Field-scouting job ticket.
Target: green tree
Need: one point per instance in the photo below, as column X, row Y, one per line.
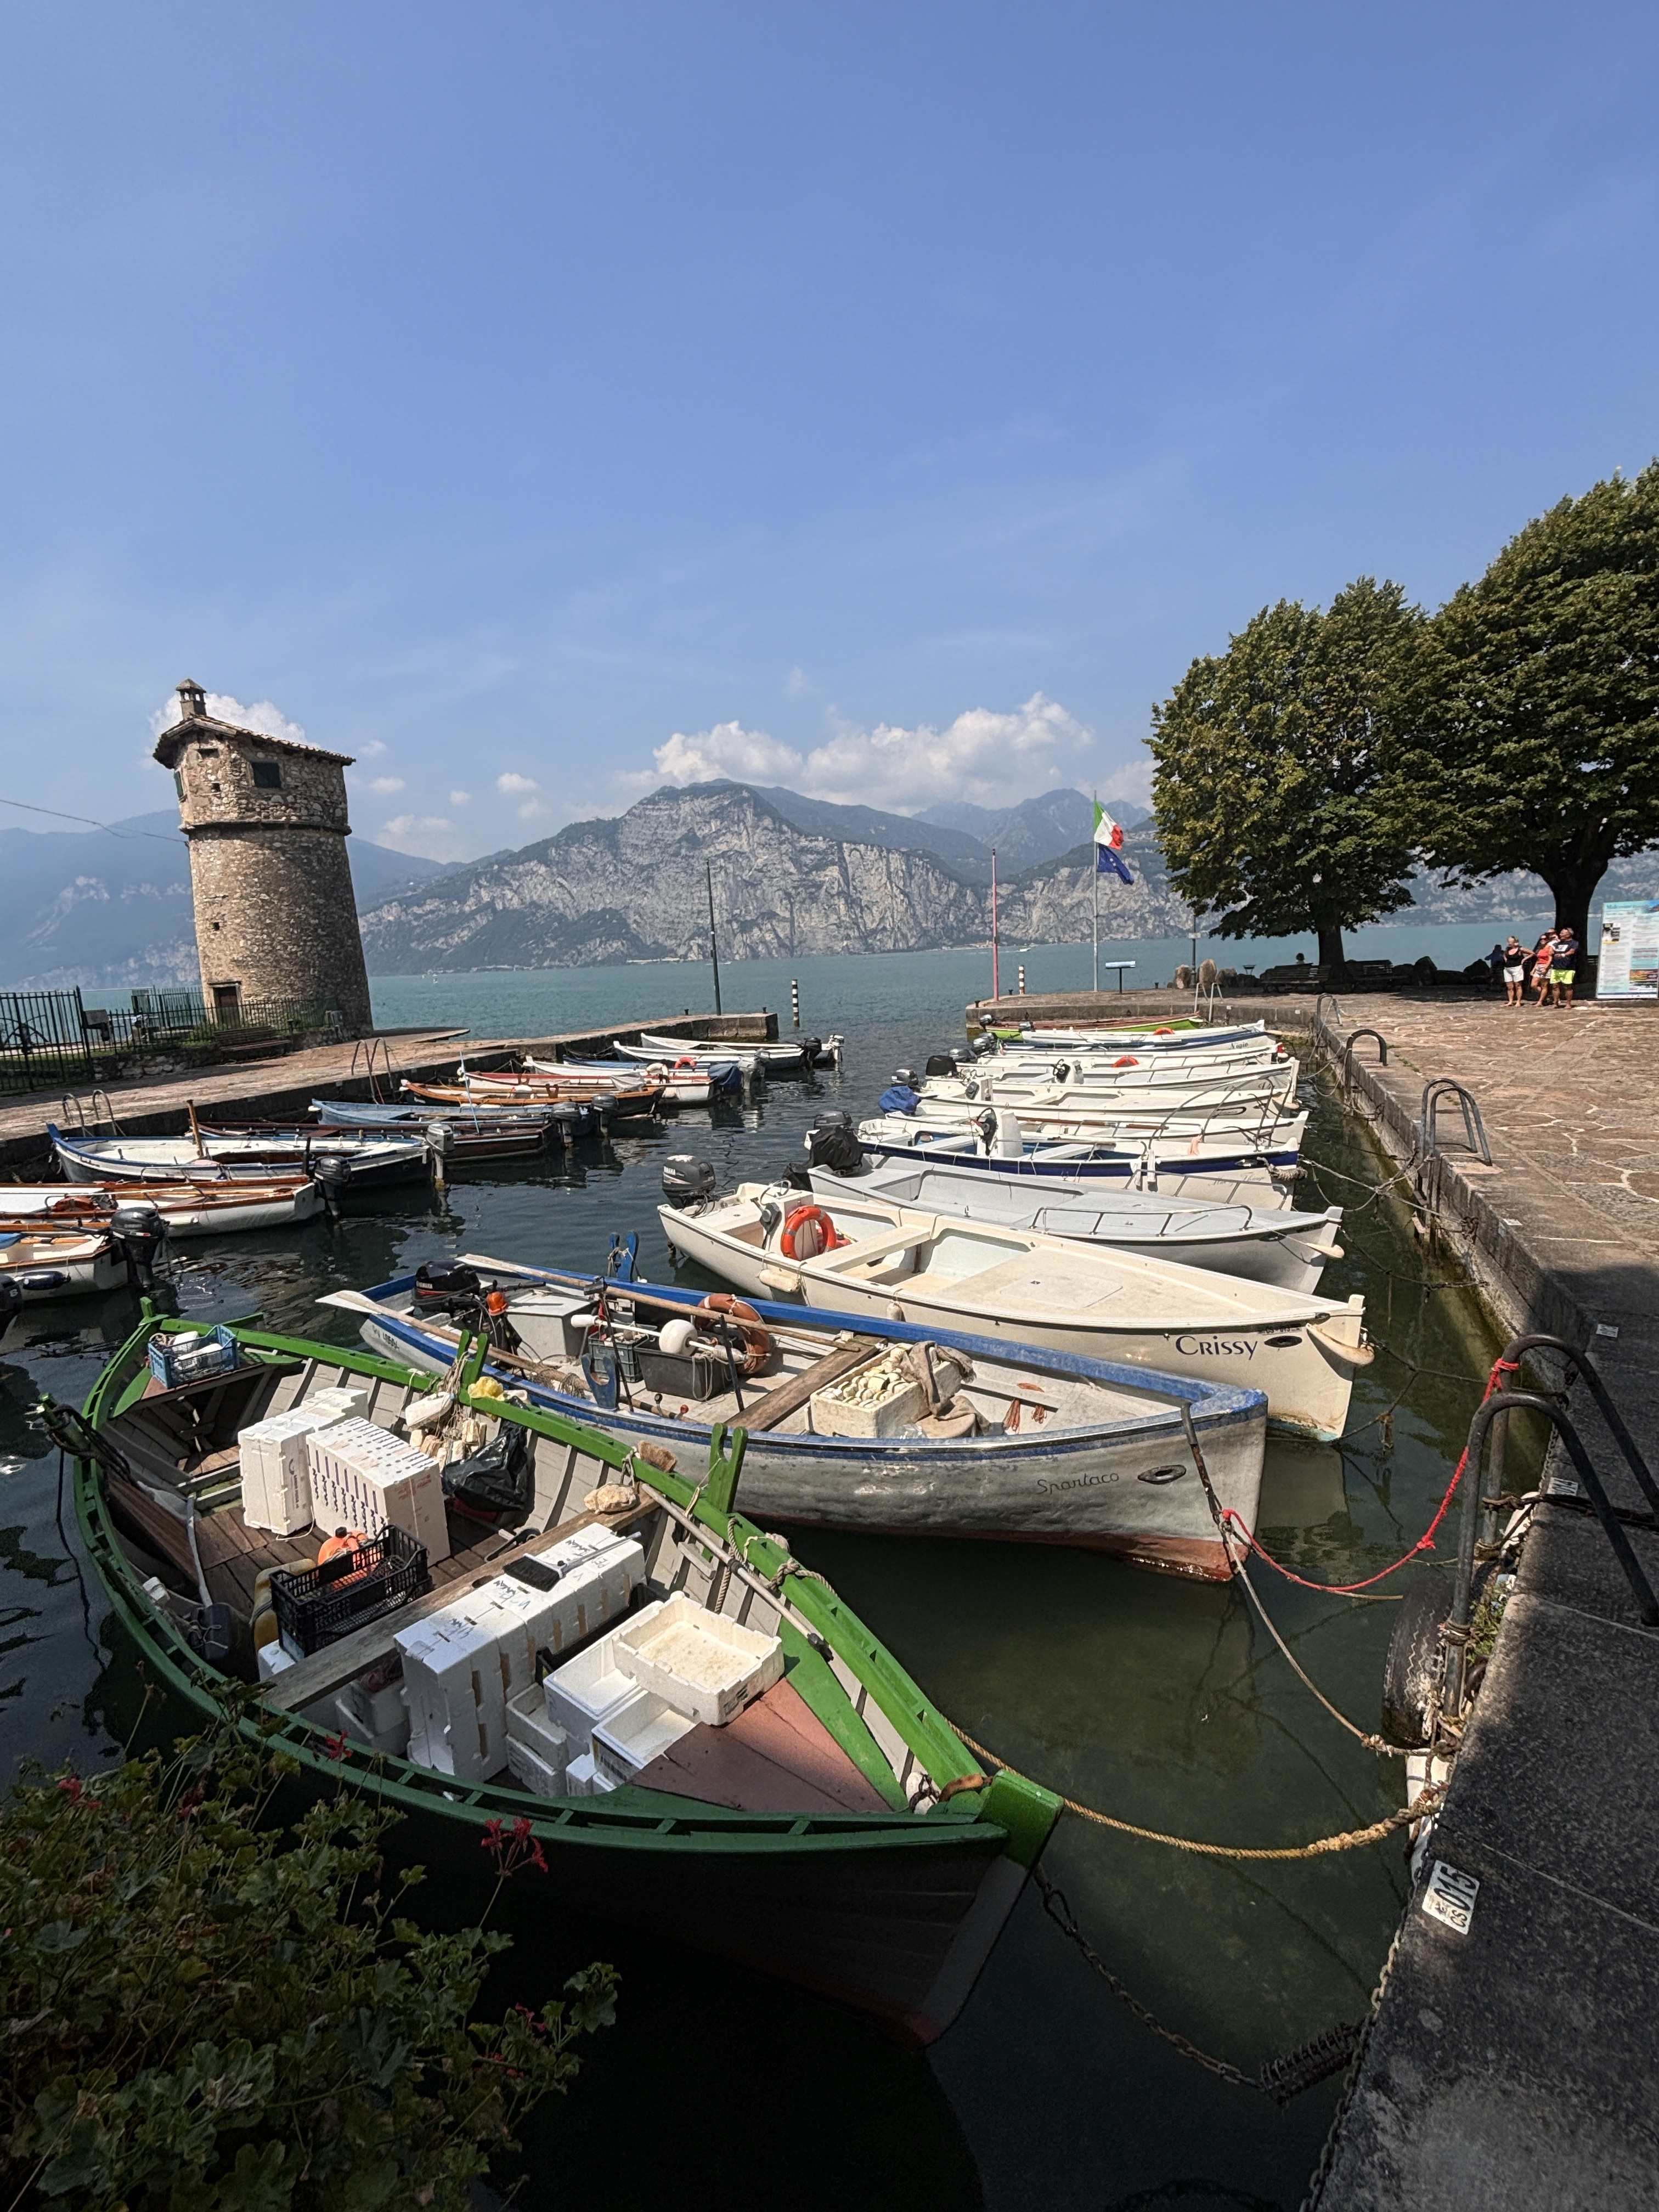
column 204, row 2015
column 1535, row 724
column 1269, row 765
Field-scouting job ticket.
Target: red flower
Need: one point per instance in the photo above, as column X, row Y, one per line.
column 337, row 1746
column 513, row 1853
column 69, row 1785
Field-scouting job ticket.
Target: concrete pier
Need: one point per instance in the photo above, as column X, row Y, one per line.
column 1512, row 2068
column 281, row 1088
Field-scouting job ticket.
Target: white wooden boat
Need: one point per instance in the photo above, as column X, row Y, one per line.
column 374, row 1161
column 1104, row 1094
column 59, row 1263
column 188, row 1209
column 1116, row 1127
column 1301, row 1349
column 1063, row 1449
column 1263, row 1244
column 1198, row 1162
column 686, row 1086
column 1171, row 1037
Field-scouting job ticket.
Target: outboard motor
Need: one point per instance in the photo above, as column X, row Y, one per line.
column 906, row 1076
column 440, row 1146
column 139, row 1233
column 940, row 1063
column 837, row 1150
column 832, row 1117
column 960, row 1055
column 812, row 1051
column 687, row 1180
column 331, row 1173
column 982, row 1044
column 447, row 1286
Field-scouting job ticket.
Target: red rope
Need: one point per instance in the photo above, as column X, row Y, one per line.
column 1425, row 1542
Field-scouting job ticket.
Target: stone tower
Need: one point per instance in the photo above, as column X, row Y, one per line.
column 276, row 917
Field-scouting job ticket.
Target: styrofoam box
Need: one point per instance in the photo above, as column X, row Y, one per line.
column 276, row 1469
column 378, row 1696
column 352, row 1719
column 527, row 1721
column 456, row 1708
column 632, row 1734
column 598, row 1575
column 534, row 1772
column 343, row 1403
column 701, row 1663
column 272, row 1659
column 579, row 1777
column 363, row 1477
column 832, row 1416
column 586, row 1688
column 552, row 1323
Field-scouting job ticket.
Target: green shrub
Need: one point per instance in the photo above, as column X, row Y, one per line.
column 205, row 2013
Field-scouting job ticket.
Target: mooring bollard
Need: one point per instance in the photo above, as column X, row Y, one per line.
column 794, row 1003
column 1021, row 982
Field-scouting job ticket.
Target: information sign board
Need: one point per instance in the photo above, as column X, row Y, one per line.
column 1629, row 963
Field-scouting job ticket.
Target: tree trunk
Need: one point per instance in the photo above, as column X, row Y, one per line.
column 1573, row 888
column 1330, row 955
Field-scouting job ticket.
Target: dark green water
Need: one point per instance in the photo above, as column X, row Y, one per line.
column 1161, row 1701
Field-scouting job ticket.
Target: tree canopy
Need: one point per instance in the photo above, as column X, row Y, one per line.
column 1269, row 763
column 1534, row 720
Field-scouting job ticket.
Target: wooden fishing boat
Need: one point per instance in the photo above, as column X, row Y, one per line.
column 640, row 1104
column 1059, row 1449
column 837, row 1834
column 40, row 1263
column 370, row 1162
column 1263, row 1244
column 1177, row 1036
column 470, row 1135
column 767, row 1058
column 998, row 1142
column 1083, row 1101
column 687, row 1086
column 1300, row 1349
column 223, row 1207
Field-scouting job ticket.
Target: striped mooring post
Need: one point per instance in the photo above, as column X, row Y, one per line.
column 1021, row 982
column 794, row 1002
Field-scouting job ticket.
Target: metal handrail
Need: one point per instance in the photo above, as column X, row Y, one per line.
column 1443, row 1086
column 1347, row 1057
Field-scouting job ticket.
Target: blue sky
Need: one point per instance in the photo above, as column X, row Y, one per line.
column 539, row 400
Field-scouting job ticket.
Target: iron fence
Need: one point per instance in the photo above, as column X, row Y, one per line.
column 52, row 1038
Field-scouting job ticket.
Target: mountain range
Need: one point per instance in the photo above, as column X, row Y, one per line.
column 790, row 875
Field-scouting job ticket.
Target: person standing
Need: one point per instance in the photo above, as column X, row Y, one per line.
column 1495, row 962
column 1515, row 970
column 1543, row 956
column 1564, row 965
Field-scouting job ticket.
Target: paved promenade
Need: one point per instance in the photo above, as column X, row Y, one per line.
column 1513, row 2068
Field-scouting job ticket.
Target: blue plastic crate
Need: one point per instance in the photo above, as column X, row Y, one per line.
column 172, row 1363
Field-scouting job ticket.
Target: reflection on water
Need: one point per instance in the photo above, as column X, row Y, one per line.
column 1157, row 1699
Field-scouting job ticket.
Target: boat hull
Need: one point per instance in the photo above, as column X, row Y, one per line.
column 185, row 1215
column 1134, row 1167
column 1307, row 1389
column 154, row 1160
column 42, row 1277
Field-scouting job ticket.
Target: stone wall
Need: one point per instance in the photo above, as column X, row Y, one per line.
column 275, row 913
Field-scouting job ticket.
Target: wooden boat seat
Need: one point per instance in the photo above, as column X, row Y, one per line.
column 776, row 1757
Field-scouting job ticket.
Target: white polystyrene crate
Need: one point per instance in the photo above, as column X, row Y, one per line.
column 527, row 1718
column 534, row 1772
column 275, row 1469
column 701, row 1662
column 586, row 1687
column 452, row 1677
column 579, row 1777
column 363, row 1477
column 633, row 1733
column 378, row 1696
column 355, row 1722
column 593, row 1588
column 342, row 1402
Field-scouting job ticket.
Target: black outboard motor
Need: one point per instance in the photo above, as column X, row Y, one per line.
column 906, row 1076
column 837, row 1150
column 982, row 1044
column 686, row 1179
column 940, row 1063
column 139, row 1233
column 447, row 1286
column 812, row 1051
column 331, row 1174
column 833, row 1118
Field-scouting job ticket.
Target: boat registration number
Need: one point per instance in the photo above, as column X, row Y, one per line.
column 1449, row 1897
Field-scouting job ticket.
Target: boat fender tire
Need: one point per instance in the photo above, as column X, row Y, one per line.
column 720, row 1305
column 807, row 1232
column 1412, row 1667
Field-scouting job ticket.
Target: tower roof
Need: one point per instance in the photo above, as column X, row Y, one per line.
column 196, row 722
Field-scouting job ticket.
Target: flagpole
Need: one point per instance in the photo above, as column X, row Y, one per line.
column 1094, row 872
column 996, row 978
column 714, row 949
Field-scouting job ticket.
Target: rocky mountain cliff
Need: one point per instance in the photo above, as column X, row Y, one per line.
column 794, row 876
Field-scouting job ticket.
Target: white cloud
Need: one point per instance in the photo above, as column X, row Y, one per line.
column 385, row 784
column 427, row 836
column 535, row 810
column 795, row 683
column 992, row 759
column 270, row 721
column 371, row 748
column 513, row 784
column 460, row 798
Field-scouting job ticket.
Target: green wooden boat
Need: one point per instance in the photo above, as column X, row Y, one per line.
column 876, row 1864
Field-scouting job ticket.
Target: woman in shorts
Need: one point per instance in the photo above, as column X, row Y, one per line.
column 1515, row 970
column 1543, row 959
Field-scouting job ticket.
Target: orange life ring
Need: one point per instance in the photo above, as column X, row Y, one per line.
column 686, row 1060
column 1127, row 1059
column 756, row 1337
column 812, row 1222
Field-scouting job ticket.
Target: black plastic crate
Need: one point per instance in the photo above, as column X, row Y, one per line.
column 317, row 1605
column 690, row 1376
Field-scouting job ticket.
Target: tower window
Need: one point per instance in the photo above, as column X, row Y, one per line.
column 267, row 776
column 178, row 784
